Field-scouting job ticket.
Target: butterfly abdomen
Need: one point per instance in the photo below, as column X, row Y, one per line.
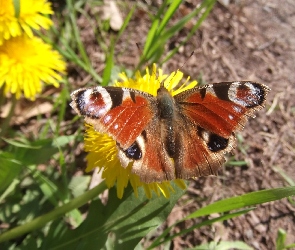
column 167, row 113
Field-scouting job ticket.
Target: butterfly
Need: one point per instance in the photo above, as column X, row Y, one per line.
column 171, row 137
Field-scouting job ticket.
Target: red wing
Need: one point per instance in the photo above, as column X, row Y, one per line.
column 222, row 108
column 204, row 155
column 150, row 159
column 122, row 113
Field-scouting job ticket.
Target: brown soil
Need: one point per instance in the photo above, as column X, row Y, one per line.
column 244, row 40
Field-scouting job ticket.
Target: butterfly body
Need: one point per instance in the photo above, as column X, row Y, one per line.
column 171, row 137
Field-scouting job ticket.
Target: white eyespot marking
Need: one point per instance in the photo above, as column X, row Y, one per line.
column 126, row 95
column 205, row 136
column 124, row 160
column 141, row 144
column 86, row 96
column 230, row 117
column 107, row 100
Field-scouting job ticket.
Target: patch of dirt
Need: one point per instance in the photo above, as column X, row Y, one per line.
column 244, row 40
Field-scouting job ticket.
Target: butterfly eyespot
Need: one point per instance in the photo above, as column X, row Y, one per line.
column 248, row 94
column 217, row 143
column 133, row 152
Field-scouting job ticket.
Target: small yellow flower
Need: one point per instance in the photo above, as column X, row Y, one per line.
column 101, row 148
column 31, row 16
column 26, row 63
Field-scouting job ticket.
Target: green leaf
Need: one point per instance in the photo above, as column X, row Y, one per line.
column 39, row 151
column 205, row 8
column 248, row 199
column 159, row 32
column 63, row 140
column 9, row 169
column 21, row 143
column 281, row 238
column 48, row 187
column 224, row 245
column 79, row 184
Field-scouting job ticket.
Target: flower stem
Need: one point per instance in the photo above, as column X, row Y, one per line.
column 54, row 214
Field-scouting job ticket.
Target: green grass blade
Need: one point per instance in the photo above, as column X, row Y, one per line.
column 125, row 24
column 16, row 5
column 150, row 38
column 168, row 15
column 208, row 5
column 106, row 76
column 181, row 23
column 286, row 177
column 280, row 240
column 152, row 45
column 76, row 34
column 241, row 201
column 159, row 240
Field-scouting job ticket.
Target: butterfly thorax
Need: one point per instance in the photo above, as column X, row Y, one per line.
column 165, row 103
column 167, row 112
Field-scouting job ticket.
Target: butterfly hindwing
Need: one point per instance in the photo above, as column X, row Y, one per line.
column 195, row 157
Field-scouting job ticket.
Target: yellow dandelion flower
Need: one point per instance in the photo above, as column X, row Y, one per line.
column 31, row 16
column 26, row 63
column 9, row 26
column 102, row 150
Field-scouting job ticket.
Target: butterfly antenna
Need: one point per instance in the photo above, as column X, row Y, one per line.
column 138, row 47
column 187, row 59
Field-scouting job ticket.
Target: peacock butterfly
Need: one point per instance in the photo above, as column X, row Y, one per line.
column 171, row 137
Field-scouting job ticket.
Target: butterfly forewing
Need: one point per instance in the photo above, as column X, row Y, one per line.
column 222, row 108
column 122, row 113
